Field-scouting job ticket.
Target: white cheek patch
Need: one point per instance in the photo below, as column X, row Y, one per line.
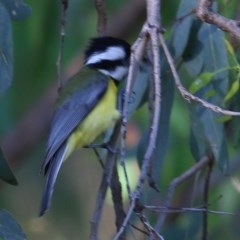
column 111, row 53
column 118, row 73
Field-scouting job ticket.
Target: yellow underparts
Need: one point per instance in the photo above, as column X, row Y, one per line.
column 102, row 117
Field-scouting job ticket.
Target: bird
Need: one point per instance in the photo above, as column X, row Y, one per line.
column 86, row 107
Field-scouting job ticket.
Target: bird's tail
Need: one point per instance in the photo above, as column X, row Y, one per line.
column 51, row 176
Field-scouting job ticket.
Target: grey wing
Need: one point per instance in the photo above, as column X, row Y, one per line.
column 71, row 113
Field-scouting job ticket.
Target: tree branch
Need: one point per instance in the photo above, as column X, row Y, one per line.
column 64, row 7
column 152, row 231
column 102, row 17
column 205, row 13
column 151, row 28
column 205, row 198
column 107, row 174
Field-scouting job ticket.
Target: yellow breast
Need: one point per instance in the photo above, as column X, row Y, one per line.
column 102, row 117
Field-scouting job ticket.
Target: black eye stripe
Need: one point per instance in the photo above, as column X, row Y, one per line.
column 108, row 64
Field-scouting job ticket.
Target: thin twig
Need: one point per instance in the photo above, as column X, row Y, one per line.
column 151, row 231
column 136, row 56
column 165, row 209
column 102, row 17
column 116, row 190
column 130, row 81
column 187, row 95
column 152, row 28
column 140, row 230
column 205, row 198
column 176, row 182
column 107, row 174
column 64, row 7
column 110, row 174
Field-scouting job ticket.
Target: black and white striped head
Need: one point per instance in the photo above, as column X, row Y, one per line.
column 108, row 55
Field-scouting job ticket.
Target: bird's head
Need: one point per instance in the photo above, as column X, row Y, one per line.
column 108, row 55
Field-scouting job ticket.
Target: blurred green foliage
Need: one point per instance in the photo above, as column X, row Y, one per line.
column 36, row 45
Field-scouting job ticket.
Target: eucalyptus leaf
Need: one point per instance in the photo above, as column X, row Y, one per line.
column 209, row 137
column 18, row 10
column 183, row 26
column 9, row 227
column 167, row 94
column 231, row 51
column 6, row 50
column 5, row 171
column 215, row 57
column 193, row 55
column 181, row 35
column 201, row 81
column 194, row 46
column 233, row 90
column 162, row 141
column 235, row 132
column 139, row 88
column 198, row 143
column 207, row 133
column 214, row 132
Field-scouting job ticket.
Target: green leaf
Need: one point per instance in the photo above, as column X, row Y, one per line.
column 198, row 143
column 234, row 135
column 210, row 93
column 167, row 95
column 5, row 171
column 193, row 54
column 17, row 10
column 181, row 36
column 201, row 81
column 229, row 47
column 9, row 227
column 207, row 135
column 215, row 58
column 233, row 90
column 224, row 118
column 6, row 50
column 164, row 122
column 214, row 132
column 231, row 51
column 183, row 27
column 194, row 46
column 139, row 88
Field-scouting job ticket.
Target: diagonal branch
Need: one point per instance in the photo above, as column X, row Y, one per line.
column 187, row 95
column 205, row 13
column 107, row 174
